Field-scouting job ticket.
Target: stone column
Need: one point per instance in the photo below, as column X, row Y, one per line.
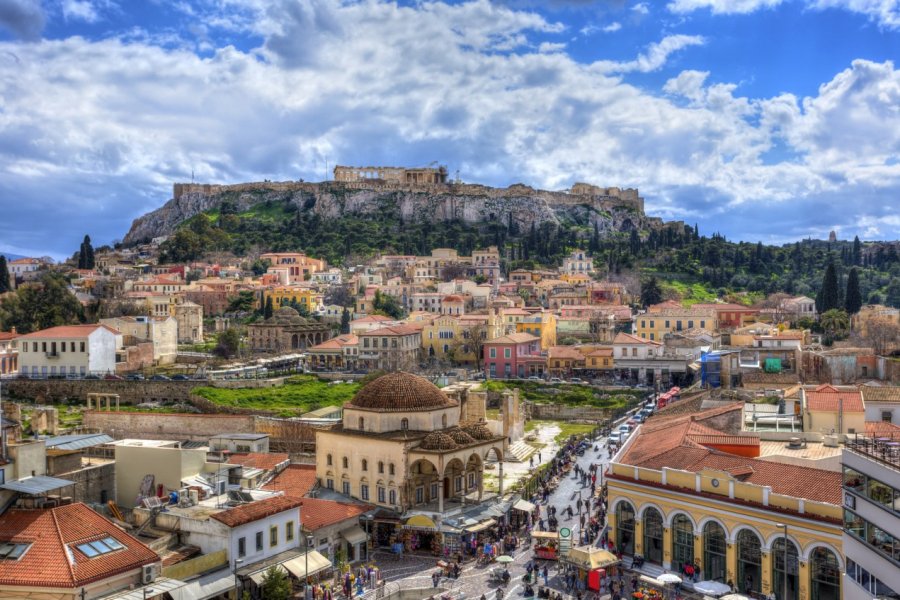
column 803, row 576
column 500, row 488
column 766, row 557
column 731, row 564
column 638, row 536
column 667, row 547
column 440, row 496
column 698, row 552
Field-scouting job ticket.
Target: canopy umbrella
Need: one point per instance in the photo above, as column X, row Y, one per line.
column 712, row 588
column 669, row 578
column 504, row 558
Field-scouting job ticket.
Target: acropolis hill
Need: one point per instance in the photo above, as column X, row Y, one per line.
column 418, row 193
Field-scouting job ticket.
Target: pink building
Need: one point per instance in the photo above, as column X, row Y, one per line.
column 517, row 355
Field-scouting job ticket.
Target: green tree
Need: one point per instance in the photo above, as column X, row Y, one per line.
column 387, row 305
column 892, row 295
column 345, row 321
column 275, row 584
column 86, row 254
column 4, row 275
column 828, row 297
column 39, row 305
column 835, row 322
column 243, row 302
column 269, row 310
column 228, row 344
column 651, row 293
column 853, row 298
column 857, row 251
column 260, row 266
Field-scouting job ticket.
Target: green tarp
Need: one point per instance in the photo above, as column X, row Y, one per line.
column 773, row 365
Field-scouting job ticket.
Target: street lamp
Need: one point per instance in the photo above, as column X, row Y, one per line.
column 309, row 542
column 369, row 518
column 785, row 549
column 237, row 580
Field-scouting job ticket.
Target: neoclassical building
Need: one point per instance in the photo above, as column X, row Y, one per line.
column 286, row 330
column 402, row 445
column 689, row 487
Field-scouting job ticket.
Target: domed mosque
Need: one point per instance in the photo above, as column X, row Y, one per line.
column 401, row 446
column 286, row 330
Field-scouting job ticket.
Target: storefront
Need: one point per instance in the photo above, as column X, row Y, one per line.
column 589, row 566
column 522, row 514
column 420, row 534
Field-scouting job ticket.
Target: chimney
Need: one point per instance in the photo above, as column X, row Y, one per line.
column 13, row 330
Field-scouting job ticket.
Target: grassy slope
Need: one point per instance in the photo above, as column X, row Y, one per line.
column 571, row 395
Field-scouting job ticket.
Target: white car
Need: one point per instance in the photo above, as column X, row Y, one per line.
column 616, row 437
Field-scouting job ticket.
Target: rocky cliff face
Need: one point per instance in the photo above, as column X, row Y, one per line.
column 471, row 204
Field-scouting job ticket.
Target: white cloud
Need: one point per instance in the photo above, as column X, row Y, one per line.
column 612, row 27
column 721, row 7
column 654, row 57
column 884, row 12
column 546, row 47
column 641, row 8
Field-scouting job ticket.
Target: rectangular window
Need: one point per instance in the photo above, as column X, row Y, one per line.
column 702, row 324
column 458, row 483
column 493, row 353
column 643, row 323
column 420, row 495
column 273, row 536
column 259, row 541
column 381, row 494
column 854, row 480
column 82, row 346
column 289, row 531
column 507, row 353
column 690, row 324
column 886, row 416
column 392, row 497
column 364, row 492
column 242, row 547
column 651, row 325
column 329, row 484
column 634, row 351
column 345, row 487
column 434, row 490
column 471, row 480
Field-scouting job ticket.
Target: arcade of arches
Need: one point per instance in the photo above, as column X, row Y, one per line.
column 742, row 555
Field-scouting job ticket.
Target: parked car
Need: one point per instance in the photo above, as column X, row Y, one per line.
column 134, row 377
column 113, row 376
column 534, row 378
column 615, row 438
column 555, row 380
column 91, row 376
column 577, row 381
column 625, row 428
column 180, row 377
column 160, row 378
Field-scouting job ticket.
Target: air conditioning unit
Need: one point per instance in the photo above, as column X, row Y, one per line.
column 148, row 574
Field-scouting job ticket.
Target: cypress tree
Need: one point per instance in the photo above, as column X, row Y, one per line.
column 86, row 254
column 857, row 250
column 345, row 321
column 853, row 299
column 269, row 309
column 4, row 275
column 828, row 297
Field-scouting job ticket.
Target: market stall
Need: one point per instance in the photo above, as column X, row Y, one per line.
column 546, row 544
column 420, row 534
column 590, row 565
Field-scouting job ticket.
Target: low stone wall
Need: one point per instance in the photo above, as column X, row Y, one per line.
column 166, row 426
column 233, row 384
column 557, row 412
column 46, row 391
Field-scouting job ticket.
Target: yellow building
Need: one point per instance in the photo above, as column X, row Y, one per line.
column 541, row 325
column 285, row 295
column 450, row 338
column 681, row 490
column 655, row 325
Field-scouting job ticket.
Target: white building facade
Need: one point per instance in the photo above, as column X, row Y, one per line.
column 69, row 350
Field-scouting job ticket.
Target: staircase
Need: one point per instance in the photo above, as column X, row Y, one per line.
column 520, row 452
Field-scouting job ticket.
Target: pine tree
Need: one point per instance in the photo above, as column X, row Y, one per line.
column 853, row 298
column 651, row 293
column 4, row 275
column 828, row 297
column 269, row 309
column 857, row 250
column 345, row 321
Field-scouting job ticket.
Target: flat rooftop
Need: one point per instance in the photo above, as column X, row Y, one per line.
column 815, row 455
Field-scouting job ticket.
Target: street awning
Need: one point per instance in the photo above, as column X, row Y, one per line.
column 354, row 534
column 312, row 559
column 159, row 585
column 525, row 505
column 591, row 558
column 420, row 522
column 258, row 576
column 209, row 586
column 481, row 526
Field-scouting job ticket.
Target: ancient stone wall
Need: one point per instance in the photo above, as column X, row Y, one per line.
column 130, row 392
column 94, row 484
column 166, row 426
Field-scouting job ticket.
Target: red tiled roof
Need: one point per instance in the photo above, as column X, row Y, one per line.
column 831, row 399
column 6, row 335
column 254, row 511
column 53, row 561
column 882, row 429
column 513, row 338
column 564, row 352
column 875, row 394
column 295, row 481
column 627, row 338
column 406, row 329
column 68, row 331
column 316, row 513
column 268, row 461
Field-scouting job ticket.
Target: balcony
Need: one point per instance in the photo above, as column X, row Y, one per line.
column 51, row 354
column 885, row 449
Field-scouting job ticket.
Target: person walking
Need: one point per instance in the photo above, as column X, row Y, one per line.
column 544, row 573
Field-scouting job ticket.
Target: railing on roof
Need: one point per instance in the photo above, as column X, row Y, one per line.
column 883, row 448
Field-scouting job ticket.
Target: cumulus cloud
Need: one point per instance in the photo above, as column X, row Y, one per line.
column 641, row 8
column 612, row 27
column 95, row 132
column 655, row 56
column 88, row 11
column 24, row 18
column 884, row 12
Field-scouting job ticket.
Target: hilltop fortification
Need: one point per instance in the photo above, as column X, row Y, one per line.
column 419, row 193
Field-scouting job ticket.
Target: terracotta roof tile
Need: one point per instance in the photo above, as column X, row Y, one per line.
column 52, row 559
column 254, row 511
column 627, row 338
column 514, row 338
column 268, row 461
column 881, row 394
column 316, row 513
column 878, row 429
column 68, row 331
column 829, row 398
column 296, row 481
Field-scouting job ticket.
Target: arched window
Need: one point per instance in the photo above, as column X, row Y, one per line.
column 653, row 535
column 391, row 469
column 682, row 542
column 328, row 460
column 714, row 548
column 824, row 575
column 625, row 527
column 362, row 424
column 749, row 561
column 345, row 462
column 380, row 467
column 404, row 424
column 365, row 465
column 778, row 568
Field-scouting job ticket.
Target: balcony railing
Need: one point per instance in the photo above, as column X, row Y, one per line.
column 884, row 448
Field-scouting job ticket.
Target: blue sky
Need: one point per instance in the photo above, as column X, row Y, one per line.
column 768, row 120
